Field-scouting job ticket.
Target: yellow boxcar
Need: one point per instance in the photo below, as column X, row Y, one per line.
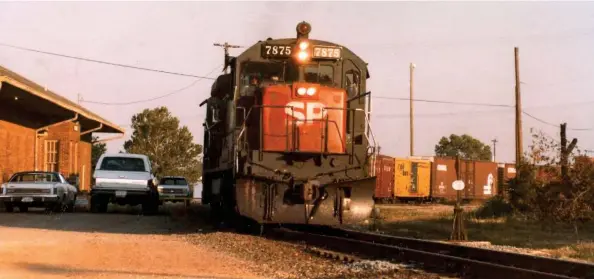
column 412, row 178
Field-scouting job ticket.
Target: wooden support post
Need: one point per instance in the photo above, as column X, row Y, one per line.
column 458, row 231
column 565, row 152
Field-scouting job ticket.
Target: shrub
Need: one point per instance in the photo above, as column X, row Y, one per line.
column 494, row 207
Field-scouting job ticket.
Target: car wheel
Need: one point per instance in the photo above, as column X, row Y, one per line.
column 23, row 208
column 9, row 207
column 60, row 205
column 72, row 205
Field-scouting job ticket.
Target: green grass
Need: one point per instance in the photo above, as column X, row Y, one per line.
column 435, row 222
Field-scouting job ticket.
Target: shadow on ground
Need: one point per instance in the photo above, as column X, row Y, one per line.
column 57, row 270
column 172, row 219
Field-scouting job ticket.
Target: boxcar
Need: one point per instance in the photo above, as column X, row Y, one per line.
column 413, row 179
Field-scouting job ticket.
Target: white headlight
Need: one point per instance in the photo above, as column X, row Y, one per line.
column 301, row 91
column 311, row 91
column 303, row 45
column 302, row 55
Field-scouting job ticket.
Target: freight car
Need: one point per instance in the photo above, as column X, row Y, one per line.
column 287, row 137
column 423, row 179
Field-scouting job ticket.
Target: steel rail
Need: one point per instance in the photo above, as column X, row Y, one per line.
column 467, row 262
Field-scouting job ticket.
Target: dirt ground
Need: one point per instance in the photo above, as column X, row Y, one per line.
column 177, row 243
column 83, row 245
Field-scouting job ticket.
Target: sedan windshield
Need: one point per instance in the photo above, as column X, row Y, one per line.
column 173, row 181
column 35, row 177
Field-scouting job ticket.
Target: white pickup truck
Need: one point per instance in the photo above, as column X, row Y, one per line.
column 49, row 190
column 124, row 179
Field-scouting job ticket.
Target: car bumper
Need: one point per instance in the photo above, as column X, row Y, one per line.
column 120, row 193
column 29, row 199
column 170, row 197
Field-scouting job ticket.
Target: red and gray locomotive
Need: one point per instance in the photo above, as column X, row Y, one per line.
column 287, row 138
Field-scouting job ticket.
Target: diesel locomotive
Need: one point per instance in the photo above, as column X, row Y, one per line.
column 287, row 136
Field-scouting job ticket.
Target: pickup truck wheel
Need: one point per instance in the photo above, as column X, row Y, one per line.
column 151, row 206
column 98, row 204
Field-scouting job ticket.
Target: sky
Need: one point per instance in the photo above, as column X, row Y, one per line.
column 463, row 52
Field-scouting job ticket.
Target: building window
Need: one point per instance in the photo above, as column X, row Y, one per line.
column 76, row 157
column 71, row 159
column 51, row 155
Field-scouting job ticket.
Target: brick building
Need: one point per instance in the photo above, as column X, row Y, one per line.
column 41, row 130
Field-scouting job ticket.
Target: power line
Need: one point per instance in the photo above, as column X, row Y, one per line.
column 402, row 115
column 103, row 62
column 444, row 102
column 154, row 98
column 554, row 125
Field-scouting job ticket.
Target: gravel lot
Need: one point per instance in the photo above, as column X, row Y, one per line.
column 175, row 244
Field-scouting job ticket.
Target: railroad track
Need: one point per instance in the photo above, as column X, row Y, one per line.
column 464, row 261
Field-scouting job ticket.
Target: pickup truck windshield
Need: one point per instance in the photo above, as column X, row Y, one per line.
column 35, row 177
column 122, row 164
column 173, row 181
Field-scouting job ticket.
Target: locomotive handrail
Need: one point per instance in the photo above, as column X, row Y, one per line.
column 261, row 120
column 249, row 111
column 370, row 131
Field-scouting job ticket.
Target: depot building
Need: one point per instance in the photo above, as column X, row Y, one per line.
column 43, row 131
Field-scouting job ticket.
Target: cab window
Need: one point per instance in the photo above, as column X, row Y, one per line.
column 267, row 71
column 352, row 83
column 322, row 74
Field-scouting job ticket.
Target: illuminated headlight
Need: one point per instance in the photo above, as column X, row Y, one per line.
column 302, row 55
column 311, row 91
column 301, row 91
column 303, row 45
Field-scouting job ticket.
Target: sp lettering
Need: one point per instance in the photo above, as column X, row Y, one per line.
column 306, row 112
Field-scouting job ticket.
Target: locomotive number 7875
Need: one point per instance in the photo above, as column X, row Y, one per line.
column 278, row 50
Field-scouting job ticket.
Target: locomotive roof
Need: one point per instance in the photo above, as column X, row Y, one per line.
column 253, row 52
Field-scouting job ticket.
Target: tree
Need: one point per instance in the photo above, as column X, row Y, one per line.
column 465, row 146
column 97, row 149
column 170, row 148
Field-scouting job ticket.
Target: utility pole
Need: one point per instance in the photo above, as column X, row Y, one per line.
column 226, row 46
column 494, row 150
column 519, row 144
column 78, row 98
column 411, row 85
